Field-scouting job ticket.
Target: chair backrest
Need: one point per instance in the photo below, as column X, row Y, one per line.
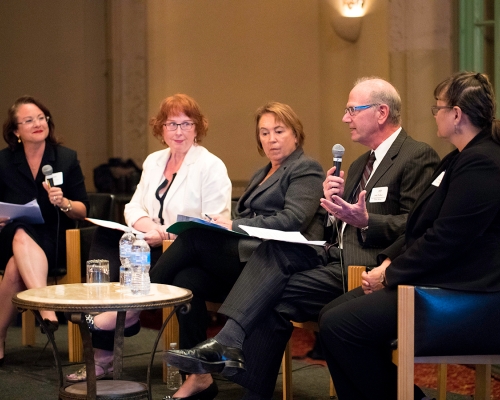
column 441, row 314
column 102, row 206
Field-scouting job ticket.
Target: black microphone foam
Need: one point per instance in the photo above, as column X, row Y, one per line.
column 47, row 171
column 337, row 152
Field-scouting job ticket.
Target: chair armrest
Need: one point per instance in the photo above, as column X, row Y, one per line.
column 166, row 244
column 354, row 276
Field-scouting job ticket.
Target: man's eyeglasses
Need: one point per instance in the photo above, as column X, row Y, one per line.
column 435, row 109
column 172, row 126
column 30, row 121
column 353, row 110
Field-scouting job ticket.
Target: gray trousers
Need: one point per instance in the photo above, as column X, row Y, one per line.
column 281, row 282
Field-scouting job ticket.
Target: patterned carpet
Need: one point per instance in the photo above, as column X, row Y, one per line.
column 460, row 377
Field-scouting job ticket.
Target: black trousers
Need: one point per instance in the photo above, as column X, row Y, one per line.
column 356, row 331
column 206, row 264
column 281, row 282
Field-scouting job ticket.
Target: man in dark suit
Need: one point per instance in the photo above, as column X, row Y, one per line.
column 379, row 194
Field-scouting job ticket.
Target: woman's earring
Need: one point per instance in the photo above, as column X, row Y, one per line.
column 196, row 140
column 19, row 139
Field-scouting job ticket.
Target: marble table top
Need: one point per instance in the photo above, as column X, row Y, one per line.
column 98, row 297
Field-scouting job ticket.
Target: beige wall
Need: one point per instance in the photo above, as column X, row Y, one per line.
column 342, row 62
column 55, row 50
column 231, row 56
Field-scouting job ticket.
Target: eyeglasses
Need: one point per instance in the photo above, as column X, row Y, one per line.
column 172, row 126
column 355, row 109
column 435, row 109
column 30, row 121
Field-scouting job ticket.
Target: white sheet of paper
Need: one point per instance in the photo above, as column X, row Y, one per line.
column 274, row 234
column 111, row 225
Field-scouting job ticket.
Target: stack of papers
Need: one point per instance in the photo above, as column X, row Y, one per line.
column 29, row 212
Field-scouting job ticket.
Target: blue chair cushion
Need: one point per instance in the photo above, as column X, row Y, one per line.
column 449, row 322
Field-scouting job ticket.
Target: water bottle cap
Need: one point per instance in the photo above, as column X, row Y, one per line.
column 128, row 229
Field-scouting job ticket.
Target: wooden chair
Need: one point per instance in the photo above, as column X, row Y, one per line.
column 78, row 242
column 421, row 311
column 405, row 357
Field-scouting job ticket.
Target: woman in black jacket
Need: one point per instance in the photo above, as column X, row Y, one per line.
column 28, row 251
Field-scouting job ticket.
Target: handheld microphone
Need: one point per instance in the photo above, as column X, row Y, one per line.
column 337, row 152
column 48, row 171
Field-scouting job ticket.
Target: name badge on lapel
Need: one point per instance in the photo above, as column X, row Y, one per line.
column 438, row 180
column 379, row 195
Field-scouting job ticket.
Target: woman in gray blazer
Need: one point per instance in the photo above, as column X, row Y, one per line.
column 282, row 195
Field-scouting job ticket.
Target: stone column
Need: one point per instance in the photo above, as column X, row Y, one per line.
column 420, row 56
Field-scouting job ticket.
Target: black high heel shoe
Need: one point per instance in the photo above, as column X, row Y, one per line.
column 206, row 394
column 52, row 326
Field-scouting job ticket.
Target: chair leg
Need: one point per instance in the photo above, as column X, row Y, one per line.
column 333, row 392
column 28, row 328
column 170, row 335
column 483, row 382
column 441, row 384
column 406, row 332
column 286, row 367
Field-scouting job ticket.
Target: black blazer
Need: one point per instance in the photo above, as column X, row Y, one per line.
column 405, row 170
column 18, row 186
column 288, row 200
column 453, row 233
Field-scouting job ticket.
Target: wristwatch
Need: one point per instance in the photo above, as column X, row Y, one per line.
column 68, row 208
column 383, row 281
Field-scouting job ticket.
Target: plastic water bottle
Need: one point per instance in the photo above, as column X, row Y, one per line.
column 126, row 242
column 140, row 259
column 174, row 378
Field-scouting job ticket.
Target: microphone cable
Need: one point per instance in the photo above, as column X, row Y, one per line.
column 57, row 243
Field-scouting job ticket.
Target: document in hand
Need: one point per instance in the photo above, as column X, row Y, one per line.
column 274, row 234
column 184, row 223
column 111, row 225
column 29, row 212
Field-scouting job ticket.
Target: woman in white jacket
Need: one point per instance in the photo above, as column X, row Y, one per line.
column 185, row 178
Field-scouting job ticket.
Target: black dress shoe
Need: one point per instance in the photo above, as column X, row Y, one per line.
column 208, row 357
column 206, row 394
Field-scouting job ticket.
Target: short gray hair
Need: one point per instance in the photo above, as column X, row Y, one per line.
column 384, row 93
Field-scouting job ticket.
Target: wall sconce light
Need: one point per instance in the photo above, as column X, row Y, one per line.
column 346, row 18
column 352, row 8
